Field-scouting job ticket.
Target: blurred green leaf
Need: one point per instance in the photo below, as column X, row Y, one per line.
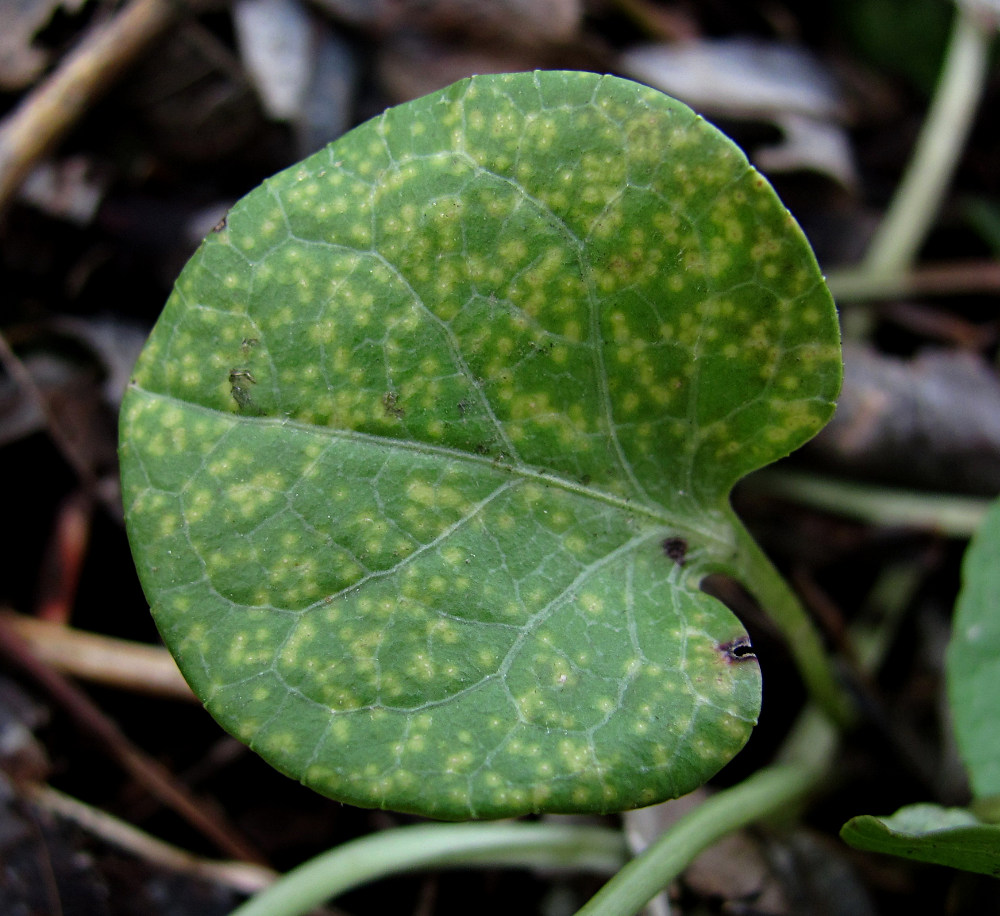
column 900, row 37
column 929, row 833
column 983, row 214
column 431, row 449
column 972, row 664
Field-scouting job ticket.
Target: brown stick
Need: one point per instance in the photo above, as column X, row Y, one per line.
column 936, row 279
column 140, row 766
column 50, row 111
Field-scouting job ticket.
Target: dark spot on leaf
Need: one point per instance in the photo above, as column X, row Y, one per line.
column 240, row 375
column 462, row 406
column 736, row 651
column 390, row 401
column 675, row 549
column 239, row 382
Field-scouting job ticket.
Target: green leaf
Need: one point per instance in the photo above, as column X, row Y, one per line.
column 929, row 833
column 972, row 663
column 431, row 448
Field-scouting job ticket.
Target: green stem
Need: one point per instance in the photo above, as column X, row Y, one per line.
column 768, row 792
column 404, row 849
column 782, row 605
column 943, row 513
column 918, row 197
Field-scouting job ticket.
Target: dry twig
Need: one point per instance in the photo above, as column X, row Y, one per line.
column 50, row 111
column 140, row 766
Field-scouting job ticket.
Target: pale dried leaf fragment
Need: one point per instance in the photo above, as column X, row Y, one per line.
column 525, row 21
column 755, row 80
column 933, row 420
column 277, row 46
column 21, row 62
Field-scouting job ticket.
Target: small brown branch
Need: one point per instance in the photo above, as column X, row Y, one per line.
column 140, row 766
column 102, row 659
column 955, row 277
column 64, row 558
column 51, row 110
column 949, row 278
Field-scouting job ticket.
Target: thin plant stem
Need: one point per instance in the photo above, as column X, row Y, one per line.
column 942, row 513
column 546, row 845
column 782, row 605
column 942, row 137
column 769, row 792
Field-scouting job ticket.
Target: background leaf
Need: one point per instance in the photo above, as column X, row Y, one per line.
column 972, row 664
column 929, row 833
column 432, row 446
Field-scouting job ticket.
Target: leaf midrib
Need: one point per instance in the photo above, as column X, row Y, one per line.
column 656, row 512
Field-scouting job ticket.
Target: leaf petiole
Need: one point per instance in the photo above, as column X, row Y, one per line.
column 390, row 852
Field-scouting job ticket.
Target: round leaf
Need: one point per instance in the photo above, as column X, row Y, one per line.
column 431, row 448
